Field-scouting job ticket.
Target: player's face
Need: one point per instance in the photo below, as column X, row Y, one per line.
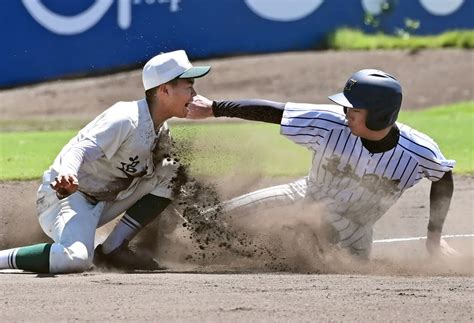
column 181, row 94
column 356, row 120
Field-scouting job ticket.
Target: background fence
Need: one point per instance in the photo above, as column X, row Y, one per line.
column 50, row 39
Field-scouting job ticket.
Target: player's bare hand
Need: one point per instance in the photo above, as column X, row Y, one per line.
column 65, row 185
column 437, row 246
column 199, row 108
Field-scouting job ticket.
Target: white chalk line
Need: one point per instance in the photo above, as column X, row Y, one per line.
column 448, row 236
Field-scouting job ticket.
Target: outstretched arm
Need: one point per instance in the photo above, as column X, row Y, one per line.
column 440, row 199
column 255, row 110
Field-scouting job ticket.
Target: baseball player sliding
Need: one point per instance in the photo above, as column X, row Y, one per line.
column 363, row 160
column 119, row 162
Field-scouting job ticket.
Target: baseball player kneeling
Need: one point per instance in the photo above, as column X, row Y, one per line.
column 363, row 160
column 120, row 162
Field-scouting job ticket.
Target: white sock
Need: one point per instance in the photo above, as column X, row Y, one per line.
column 7, row 258
column 125, row 229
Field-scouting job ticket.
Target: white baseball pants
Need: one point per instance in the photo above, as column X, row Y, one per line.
column 71, row 222
column 352, row 236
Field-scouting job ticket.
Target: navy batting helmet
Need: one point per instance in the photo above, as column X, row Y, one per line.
column 376, row 91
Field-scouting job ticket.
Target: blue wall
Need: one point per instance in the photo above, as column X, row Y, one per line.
column 48, row 39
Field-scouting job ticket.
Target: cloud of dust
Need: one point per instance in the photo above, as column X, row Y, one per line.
column 193, row 234
column 289, row 239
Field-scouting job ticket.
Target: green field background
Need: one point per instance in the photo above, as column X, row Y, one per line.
column 216, row 149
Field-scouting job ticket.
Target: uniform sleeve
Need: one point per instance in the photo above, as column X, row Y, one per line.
column 432, row 162
column 109, row 132
column 306, row 124
column 435, row 169
column 84, row 150
column 254, row 109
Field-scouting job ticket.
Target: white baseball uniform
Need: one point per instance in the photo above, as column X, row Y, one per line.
column 131, row 166
column 356, row 186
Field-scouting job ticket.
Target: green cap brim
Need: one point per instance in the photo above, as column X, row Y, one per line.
column 195, row 72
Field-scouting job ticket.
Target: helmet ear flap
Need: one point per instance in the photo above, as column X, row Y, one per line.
column 378, row 120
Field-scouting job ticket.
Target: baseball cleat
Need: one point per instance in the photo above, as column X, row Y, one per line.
column 123, row 258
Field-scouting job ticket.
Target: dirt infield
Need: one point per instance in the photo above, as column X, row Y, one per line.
column 262, row 297
column 400, row 283
column 428, row 78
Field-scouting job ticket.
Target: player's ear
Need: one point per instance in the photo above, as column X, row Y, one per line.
column 163, row 89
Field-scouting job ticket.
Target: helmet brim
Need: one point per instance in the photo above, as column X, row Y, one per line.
column 340, row 99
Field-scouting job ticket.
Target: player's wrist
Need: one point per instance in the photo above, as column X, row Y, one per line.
column 60, row 196
column 433, row 236
column 433, row 227
column 213, row 108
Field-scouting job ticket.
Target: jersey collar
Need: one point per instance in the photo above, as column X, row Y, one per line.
column 385, row 144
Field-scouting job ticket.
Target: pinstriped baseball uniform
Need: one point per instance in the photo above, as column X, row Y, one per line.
column 355, row 185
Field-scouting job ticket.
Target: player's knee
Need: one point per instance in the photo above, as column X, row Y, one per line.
column 362, row 255
column 74, row 258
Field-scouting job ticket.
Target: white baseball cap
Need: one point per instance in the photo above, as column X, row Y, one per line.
column 167, row 66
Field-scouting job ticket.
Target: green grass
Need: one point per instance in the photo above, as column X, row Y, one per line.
column 218, row 149
column 353, row 39
column 40, row 125
column 25, row 155
column 452, row 127
column 245, row 148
